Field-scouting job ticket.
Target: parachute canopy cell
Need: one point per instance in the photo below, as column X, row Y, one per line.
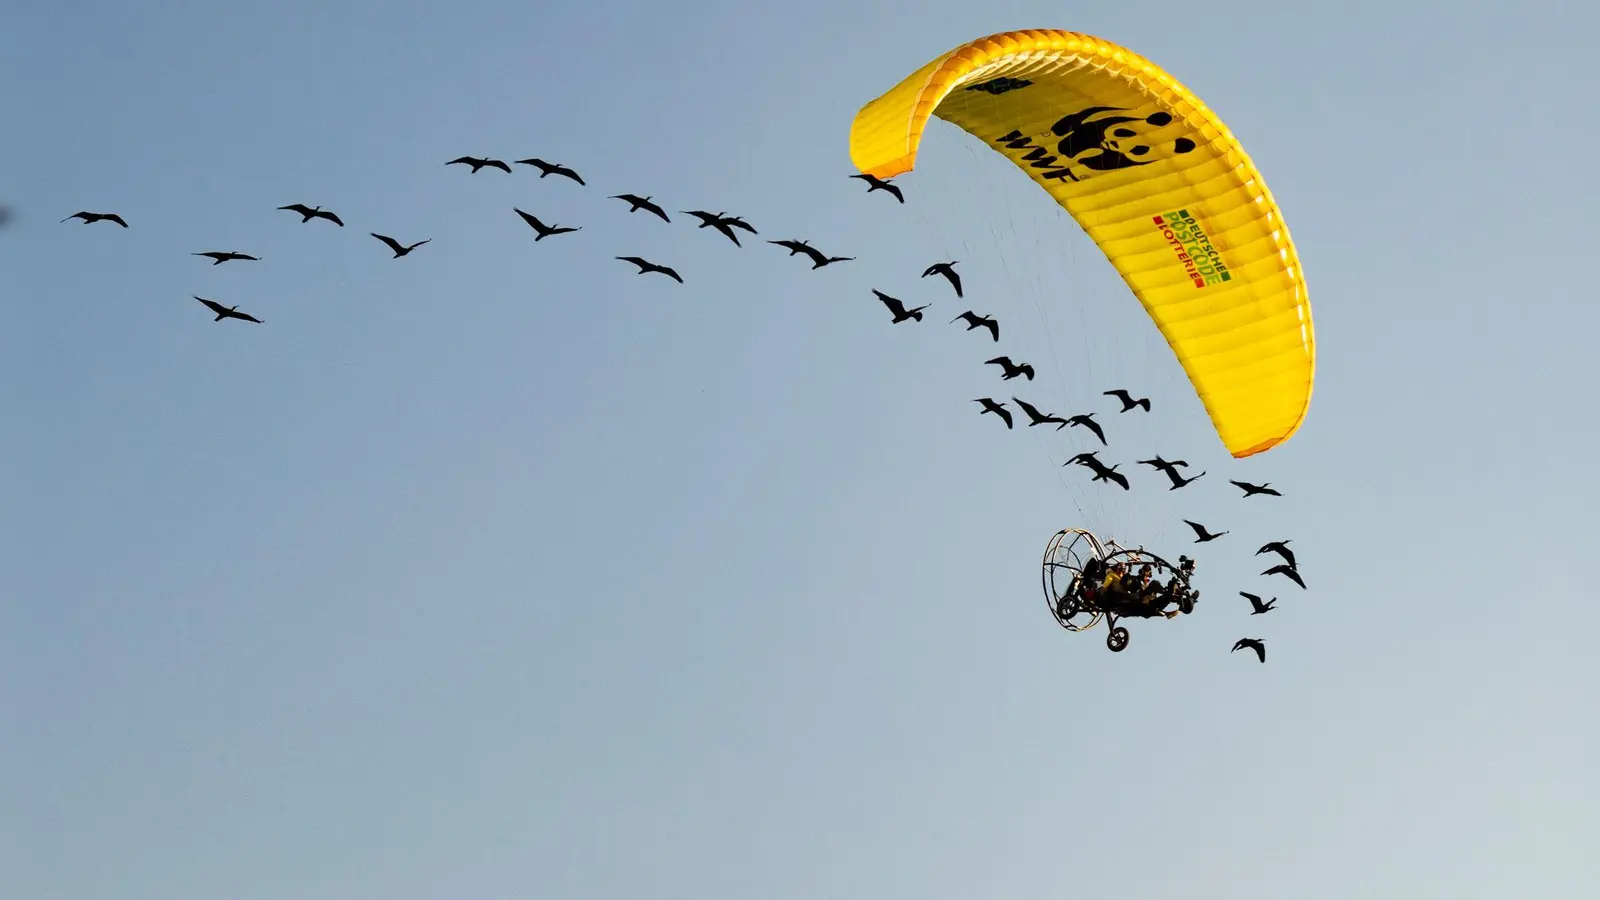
column 1159, row 184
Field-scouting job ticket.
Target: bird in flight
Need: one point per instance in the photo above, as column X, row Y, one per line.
column 646, row 266
column 546, row 168
column 999, row 409
column 1039, row 418
column 1101, row 471
column 881, row 184
column 1289, row 572
column 818, row 259
column 974, row 320
column 1252, row 489
column 1010, row 369
column 899, row 309
column 946, row 269
column 396, row 246
column 543, row 229
column 307, row 213
column 227, row 312
column 219, row 257
column 636, row 203
column 1087, row 421
column 1127, row 399
column 720, row 222
column 1201, row 535
column 1257, row 606
column 477, row 164
column 1252, row 644
column 89, row 218
column 1281, row 548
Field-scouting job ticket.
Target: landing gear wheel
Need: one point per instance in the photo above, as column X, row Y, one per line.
column 1117, row 640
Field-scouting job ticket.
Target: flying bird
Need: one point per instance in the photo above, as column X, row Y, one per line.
column 477, row 164
column 1289, row 572
column 636, row 203
column 1163, row 465
column 1257, row 606
column 219, row 257
column 1179, row 481
column 1252, row 644
column 881, row 184
column 543, row 229
column 1101, row 471
column 999, row 409
column 307, row 213
column 546, row 168
column 1201, row 535
column 974, row 320
column 395, row 245
column 818, row 260
column 1039, row 418
column 89, row 218
column 1010, row 369
column 646, row 266
column 720, row 222
column 1087, row 421
column 949, row 273
column 899, row 309
column 227, row 312
column 1281, row 548
column 1127, row 399
column 1250, row 489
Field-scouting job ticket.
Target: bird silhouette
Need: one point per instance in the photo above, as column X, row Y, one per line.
column 646, row 266
column 1101, row 471
column 949, row 273
column 1251, row 489
column 1281, row 548
column 477, row 164
column 974, row 320
column 1256, row 605
column 1010, row 369
column 1179, row 481
column 396, row 246
column 818, row 259
column 1039, row 418
column 227, row 312
column 543, row 229
column 218, row 257
column 1163, row 465
column 720, row 222
column 999, row 409
column 636, row 203
column 899, row 309
column 1289, row 572
column 1252, row 644
column 881, row 184
column 89, row 218
column 1127, row 400
column 307, row 213
column 546, row 168
column 1201, row 535
column 1087, row 421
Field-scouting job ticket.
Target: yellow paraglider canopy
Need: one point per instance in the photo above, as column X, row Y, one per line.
column 1157, row 182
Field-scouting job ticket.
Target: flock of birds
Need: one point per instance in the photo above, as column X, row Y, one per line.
column 730, row 226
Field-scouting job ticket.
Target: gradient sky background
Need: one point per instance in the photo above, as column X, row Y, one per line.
column 498, row 571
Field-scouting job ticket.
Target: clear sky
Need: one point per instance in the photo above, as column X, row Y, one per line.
column 499, row 571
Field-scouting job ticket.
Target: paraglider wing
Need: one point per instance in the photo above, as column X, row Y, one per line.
column 1157, row 182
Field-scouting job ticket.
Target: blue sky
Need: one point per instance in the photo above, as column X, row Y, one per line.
column 499, row 571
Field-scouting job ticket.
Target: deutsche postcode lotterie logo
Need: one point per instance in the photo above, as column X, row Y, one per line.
column 1193, row 246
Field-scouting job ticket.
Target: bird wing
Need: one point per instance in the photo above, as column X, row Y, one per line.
column 331, row 217
column 213, row 305
column 393, row 244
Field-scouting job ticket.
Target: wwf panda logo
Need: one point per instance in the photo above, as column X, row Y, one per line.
column 1116, row 138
